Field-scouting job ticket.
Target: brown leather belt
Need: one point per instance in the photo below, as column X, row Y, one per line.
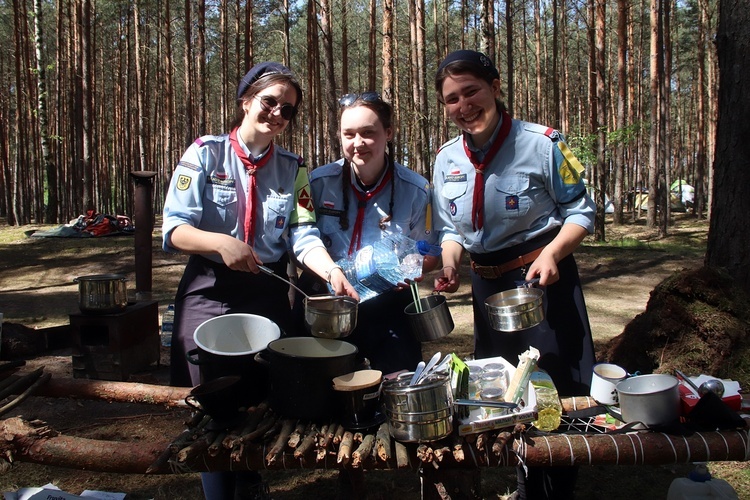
column 494, row 272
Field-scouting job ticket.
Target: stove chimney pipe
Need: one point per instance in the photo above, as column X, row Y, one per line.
column 144, row 228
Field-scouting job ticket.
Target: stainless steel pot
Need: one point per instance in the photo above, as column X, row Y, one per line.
column 433, row 322
column 516, row 309
column 418, row 413
column 102, row 293
column 650, row 399
column 330, row 317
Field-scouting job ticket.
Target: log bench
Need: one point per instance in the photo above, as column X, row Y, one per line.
column 264, row 440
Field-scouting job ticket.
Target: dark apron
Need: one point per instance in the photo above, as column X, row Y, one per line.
column 209, row 289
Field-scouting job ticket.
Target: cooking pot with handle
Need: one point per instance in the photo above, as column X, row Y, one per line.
column 516, row 309
column 102, row 293
column 227, row 345
column 301, row 372
column 652, row 399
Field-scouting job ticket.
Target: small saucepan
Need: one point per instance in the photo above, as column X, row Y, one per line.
column 326, row 316
column 652, row 399
column 102, row 293
column 516, row 309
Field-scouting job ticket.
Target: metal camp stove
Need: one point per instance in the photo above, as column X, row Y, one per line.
column 114, row 346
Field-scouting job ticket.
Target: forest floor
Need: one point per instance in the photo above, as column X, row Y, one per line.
column 37, row 290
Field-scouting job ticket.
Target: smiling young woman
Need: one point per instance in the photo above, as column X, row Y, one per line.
column 510, row 193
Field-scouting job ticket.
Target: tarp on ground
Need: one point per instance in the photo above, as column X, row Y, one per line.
column 90, row 226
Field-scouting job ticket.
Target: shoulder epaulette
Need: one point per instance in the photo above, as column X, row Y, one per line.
column 448, row 143
column 542, row 129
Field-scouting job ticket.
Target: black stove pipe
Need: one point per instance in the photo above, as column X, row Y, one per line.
column 144, row 228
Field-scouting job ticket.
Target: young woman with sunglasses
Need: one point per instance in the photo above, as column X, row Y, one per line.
column 360, row 199
column 233, row 205
column 510, row 194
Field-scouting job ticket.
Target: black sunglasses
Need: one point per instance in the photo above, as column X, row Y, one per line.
column 349, row 99
column 269, row 105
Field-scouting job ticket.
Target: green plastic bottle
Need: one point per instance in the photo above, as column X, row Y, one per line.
column 547, row 401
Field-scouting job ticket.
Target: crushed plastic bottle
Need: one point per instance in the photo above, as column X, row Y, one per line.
column 379, row 267
column 699, row 485
column 167, row 325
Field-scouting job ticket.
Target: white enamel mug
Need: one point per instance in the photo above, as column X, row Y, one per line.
column 603, row 381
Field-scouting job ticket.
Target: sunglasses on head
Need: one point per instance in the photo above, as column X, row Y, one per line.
column 269, row 105
column 349, row 99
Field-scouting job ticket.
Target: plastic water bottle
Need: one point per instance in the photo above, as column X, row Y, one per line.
column 379, row 267
column 167, row 325
column 425, row 248
column 699, row 485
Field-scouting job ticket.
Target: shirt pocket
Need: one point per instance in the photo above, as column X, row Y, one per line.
column 512, row 196
column 219, row 207
column 277, row 212
column 458, row 202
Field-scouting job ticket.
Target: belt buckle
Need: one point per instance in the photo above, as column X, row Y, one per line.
column 486, row 272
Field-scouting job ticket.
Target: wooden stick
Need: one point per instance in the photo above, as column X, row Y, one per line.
column 307, row 442
column 215, row 447
column 266, row 424
column 296, row 435
column 482, row 440
column 439, row 453
column 458, row 448
column 339, row 434
column 195, row 448
column 500, row 442
column 402, row 455
column 345, row 448
column 364, row 449
column 424, row 453
column 287, row 426
column 383, row 441
column 25, row 394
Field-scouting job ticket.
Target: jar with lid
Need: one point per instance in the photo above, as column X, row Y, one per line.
column 492, row 394
column 494, row 379
column 547, row 401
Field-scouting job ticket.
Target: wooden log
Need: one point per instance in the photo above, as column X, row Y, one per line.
column 39, row 382
column 424, row 453
column 500, row 442
column 440, row 452
column 296, row 436
column 196, row 448
column 339, row 435
column 124, row 392
column 19, row 385
column 383, row 442
column 307, row 442
column 266, row 424
column 345, row 448
column 482, row 439
column 458, row 448
column 402, row 455
column 364, row 449
column 215, row 447
column 286, row 429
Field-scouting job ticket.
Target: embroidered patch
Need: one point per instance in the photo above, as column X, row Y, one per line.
column 189, row 165
column 329, row 211
column 511, row 202
column 280, row 222
column 183, row 182
column 219, row 181
column 304, row 199
column 453, row 208
column 328, row 204
column 455, row 178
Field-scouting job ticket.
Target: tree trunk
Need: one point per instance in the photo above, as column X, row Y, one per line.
column 654, row 79
column 388, row 55
column 619, row 157
column 600, row 118
column 50, row 169
column 334, row 146
column 728, row 239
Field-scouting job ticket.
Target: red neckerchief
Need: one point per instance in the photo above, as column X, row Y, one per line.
column 362, row 199
column 250, row 168
column 477, row 214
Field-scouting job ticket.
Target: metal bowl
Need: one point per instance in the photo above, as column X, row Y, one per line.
column 515, row 309
column 332, row 317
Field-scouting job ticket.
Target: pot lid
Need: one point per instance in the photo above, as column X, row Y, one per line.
column 357, row 380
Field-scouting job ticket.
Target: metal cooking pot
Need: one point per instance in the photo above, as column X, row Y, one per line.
column 301, row 372
column 433, row 322
column 227, row 345
column 418, row 413
column 516, row 309
column 102, row 293
column 330, row 317
column 650, row 399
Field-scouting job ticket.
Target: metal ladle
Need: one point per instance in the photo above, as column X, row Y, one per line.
column 714, row 385
column 270, row 272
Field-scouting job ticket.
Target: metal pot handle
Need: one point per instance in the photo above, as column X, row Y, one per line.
column 193, row 361
column 189, row 400
column 527, row 283
column 260, row 359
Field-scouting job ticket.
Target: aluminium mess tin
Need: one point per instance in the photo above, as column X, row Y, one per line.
column 419, row 413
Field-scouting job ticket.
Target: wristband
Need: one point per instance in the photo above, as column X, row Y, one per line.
column 446, row 267
column 328, row 273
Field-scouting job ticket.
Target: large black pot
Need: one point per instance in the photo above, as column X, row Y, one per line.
column 302, row 371
column 227, row 346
